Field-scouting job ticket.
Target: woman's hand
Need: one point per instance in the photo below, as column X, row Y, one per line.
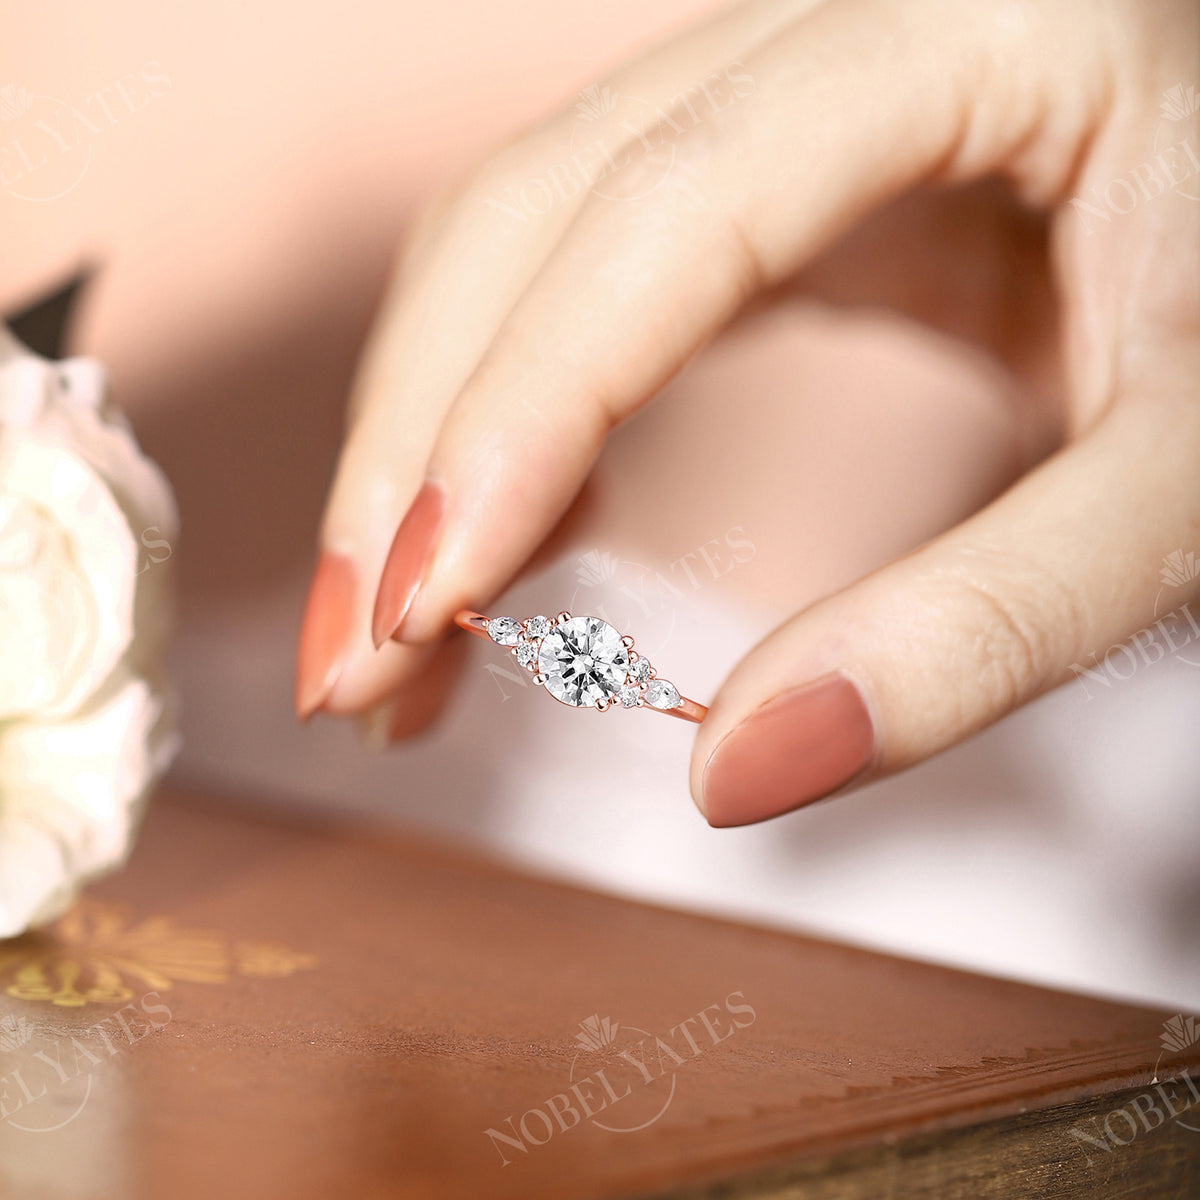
column 569, row 277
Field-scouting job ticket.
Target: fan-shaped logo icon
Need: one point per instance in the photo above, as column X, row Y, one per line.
column 596, row 102
column 595, row 567
column 15, row 1032
column 596, row 1032
column 1179, row 102
column 1179, row 1032
column 1179, row 568
column 15, row 101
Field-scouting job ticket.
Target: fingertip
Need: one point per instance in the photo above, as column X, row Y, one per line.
column 795, row 748
column 324, row 632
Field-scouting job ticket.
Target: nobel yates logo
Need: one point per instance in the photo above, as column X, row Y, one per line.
column 47, row 1079
column 642, row 595
column 649, row 590
column 1172, row 165
column 1178, row 570
column 626, row 1073
column 1169, row 1100
column 612, row 131
column 46, row 142
column 158, row 549
column 1176, row 632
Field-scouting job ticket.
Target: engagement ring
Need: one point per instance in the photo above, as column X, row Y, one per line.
column 583, row 662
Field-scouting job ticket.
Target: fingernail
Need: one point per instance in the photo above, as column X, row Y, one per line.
column 407, row 561
column 325, row 632
column 796, row 748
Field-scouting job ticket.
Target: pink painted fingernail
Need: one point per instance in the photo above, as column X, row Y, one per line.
column 325, row 632
column 796, row 748
column 407, row 562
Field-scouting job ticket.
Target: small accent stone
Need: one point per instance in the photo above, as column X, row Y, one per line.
column 661, row 694
column 527, row 653
column 537, row 627
column 504, row 631
column 629, row 697
column 640, row 671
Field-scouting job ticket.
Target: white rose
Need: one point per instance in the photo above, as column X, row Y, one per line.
column 87, row 524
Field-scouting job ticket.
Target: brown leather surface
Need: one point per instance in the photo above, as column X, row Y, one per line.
column 317, row 1011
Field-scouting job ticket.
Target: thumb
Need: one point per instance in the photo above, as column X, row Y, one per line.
column 934, row 646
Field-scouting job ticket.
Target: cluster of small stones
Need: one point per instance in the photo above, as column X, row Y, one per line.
column 640, row 687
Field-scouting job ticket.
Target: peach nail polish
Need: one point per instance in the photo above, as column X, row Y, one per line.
column 325, row 632
column 796, row 748
column 407, row 560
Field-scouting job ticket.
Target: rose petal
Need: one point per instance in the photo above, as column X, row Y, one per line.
column 71, row 797
column 99, row 553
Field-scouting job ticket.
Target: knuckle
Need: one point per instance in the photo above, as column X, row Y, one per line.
column 1008, row 647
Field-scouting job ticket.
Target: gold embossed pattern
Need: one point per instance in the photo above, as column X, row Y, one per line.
column 102, row 953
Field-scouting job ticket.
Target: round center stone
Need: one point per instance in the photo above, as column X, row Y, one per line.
column 583, row 661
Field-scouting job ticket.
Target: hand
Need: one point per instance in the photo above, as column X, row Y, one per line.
column 513, row 342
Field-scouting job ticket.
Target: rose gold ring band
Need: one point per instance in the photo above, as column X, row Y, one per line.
column 583, row 662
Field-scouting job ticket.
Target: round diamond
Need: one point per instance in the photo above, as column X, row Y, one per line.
column 527, row 653
column 537, row 627
column 640, row 671
column 504, row 631
column 583, row 660
column 661, row 694
column 630, row 696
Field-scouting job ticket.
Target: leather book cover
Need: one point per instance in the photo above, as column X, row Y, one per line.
column 269, row 1006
